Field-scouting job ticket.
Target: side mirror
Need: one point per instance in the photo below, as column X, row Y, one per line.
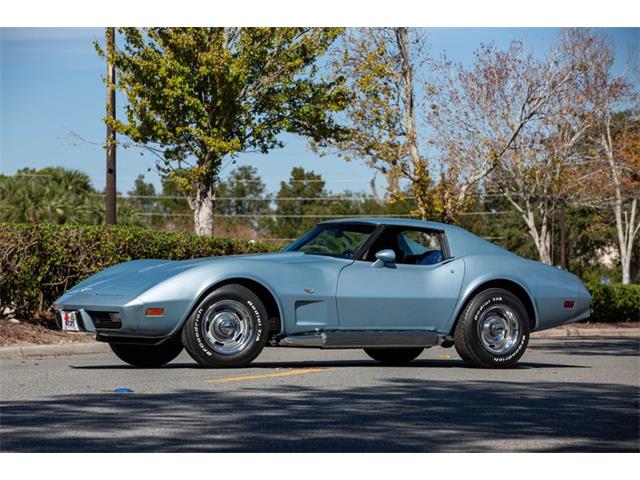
column 383, row 257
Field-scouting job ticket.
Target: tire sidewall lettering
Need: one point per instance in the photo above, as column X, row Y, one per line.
column 196, row 331
column 258, row 320
column 484, row 305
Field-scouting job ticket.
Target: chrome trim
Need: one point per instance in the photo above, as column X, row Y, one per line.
column 499, row 329
column 362, row 339
column 317, row 340
column 227, row 327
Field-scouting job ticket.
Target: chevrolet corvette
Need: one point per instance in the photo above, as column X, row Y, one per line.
column 392, row 287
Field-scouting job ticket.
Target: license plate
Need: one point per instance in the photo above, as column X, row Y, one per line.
column 69, row 321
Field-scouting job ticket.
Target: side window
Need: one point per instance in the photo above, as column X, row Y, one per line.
column 412, row 247
column 336, row 242
column 419, row 247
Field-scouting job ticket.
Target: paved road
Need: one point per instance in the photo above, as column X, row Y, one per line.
column 566, row 395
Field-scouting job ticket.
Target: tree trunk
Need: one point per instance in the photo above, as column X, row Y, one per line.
column 541, row 238
column 627, row 231
column 420, row 178
column 202, row 206
column 626, row 268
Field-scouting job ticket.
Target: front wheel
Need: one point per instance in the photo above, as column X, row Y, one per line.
column 493, row 330
column 147, row 356
column 394, row 356
column 228, row 328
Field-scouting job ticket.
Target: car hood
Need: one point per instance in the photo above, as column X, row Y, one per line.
column 134, row 277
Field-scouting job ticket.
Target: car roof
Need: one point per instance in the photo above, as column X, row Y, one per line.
column 403, row 222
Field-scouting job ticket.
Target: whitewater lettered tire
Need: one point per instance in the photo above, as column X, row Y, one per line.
column 147, row 356
column 394, row 356
column 493, row 330
column 229, row 328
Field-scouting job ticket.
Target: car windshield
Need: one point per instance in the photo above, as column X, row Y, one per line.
column 336, row 240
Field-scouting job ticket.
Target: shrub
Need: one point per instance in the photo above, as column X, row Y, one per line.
column 39, row 262
column 615, row 303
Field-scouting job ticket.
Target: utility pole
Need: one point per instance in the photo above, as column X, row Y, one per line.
column 563, row 240
column 110, row 35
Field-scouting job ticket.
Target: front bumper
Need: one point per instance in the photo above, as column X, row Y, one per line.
column 85, row 323
column 103, row 318
column 109, row 318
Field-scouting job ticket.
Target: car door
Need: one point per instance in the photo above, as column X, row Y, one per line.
column 416, row 292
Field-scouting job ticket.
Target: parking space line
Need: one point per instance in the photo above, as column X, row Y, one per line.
column 298, row 371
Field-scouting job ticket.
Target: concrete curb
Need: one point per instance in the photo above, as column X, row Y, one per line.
column 47, row 350
column 587, row 332
column 100, row 347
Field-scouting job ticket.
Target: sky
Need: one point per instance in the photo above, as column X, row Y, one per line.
column 52, row 101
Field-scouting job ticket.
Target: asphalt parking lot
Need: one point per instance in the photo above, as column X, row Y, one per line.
column 567, row 394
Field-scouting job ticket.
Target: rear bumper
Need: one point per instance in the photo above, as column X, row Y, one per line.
column 582, row 316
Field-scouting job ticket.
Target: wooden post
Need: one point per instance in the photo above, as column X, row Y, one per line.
column 110, row 190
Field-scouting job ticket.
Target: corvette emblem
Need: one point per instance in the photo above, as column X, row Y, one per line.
column 310, row 291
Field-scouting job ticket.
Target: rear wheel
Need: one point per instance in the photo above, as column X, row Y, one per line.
column 493, row 330
column 228, row 328
column 147, row 356
column 394, row 356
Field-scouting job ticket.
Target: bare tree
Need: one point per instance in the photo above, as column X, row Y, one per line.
column 622, row 154
column 539, row 171
column 610, row 171
column 479, row 115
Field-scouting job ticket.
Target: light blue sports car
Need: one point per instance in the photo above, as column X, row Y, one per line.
column 392, row 287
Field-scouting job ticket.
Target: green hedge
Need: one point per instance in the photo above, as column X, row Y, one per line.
column 39, row 262
column 615, row 303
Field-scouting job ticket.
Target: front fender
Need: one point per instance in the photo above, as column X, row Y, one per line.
column 293, row 286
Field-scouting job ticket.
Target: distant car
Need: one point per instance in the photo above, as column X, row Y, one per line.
column 389, row 286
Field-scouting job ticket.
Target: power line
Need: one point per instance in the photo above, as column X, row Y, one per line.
column 275, row 215
column 266, row 215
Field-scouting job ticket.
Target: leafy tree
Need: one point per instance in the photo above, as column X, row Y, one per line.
column 50, row 194
column 143, row 193
column 93, row 212
column 242, row 194
column 305, row 185
column 175, row 209
column 199, row 96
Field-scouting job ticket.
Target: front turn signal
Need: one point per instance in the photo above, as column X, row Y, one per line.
column 155, row 312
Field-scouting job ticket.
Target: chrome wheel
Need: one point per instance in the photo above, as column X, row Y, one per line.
column 499, row 329
column 227, row 327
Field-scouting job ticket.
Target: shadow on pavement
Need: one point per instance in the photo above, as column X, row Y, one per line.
column 427, row 363
column 399, row 414
column 620, row 347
